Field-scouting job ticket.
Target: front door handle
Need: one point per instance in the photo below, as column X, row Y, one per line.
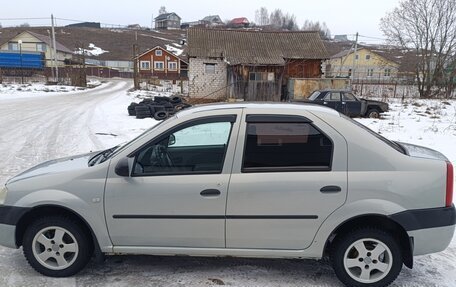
column 330, row 189
column 210, row 192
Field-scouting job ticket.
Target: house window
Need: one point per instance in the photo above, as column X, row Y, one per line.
column 356, row 56
column 368, row 57
column 387, row 73
column 285, row 147
column 209, row 68
column 261, row 76
column 158, row 52
column 159, row 66
column 349, row 72
column 41, row 47
column 172, row 66
column 370, row 72
column 13, row 46
column 145, row 65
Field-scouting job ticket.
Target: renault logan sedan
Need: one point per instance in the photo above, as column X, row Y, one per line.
column 247, row 180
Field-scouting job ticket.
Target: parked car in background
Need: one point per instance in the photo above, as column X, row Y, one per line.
column 241, row 179
column 347, row 103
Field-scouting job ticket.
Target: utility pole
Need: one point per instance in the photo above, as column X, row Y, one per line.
column 51, row 53
column 135, row 67
column 354, row 58
column 55, row 49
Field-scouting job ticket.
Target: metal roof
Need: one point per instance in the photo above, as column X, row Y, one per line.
column 165, row 16
column 255, row 47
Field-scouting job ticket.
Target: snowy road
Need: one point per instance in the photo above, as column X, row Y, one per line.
column 34, row 129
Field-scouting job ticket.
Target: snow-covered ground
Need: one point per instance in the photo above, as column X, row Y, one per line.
column 50, row 125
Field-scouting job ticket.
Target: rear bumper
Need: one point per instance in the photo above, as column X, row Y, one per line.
column 431, row 229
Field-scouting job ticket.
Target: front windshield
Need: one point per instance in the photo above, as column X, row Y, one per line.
column 144, row 134
column 392, row 144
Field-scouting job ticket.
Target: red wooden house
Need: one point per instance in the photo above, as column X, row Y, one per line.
column 161, row 64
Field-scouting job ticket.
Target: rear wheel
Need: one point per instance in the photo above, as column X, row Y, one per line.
column 56, row 246
column 367, row 257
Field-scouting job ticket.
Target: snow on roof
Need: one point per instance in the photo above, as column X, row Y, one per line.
column 174, row 50
column 92, row 51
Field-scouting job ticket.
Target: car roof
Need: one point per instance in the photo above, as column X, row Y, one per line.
column 258, row 106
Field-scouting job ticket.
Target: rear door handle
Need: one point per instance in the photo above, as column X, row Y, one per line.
column 210, row 192
column 330, row 189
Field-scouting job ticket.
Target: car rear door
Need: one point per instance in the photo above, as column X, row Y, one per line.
column 176, row 194
column 289, row 174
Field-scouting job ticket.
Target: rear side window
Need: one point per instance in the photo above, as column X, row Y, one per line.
column 286, row 147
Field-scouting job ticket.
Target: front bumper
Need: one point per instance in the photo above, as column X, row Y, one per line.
column 9, row 217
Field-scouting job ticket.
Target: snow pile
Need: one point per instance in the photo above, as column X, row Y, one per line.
column 430, row 123
column 17, row 91
column 92, row 51
column 174, row 50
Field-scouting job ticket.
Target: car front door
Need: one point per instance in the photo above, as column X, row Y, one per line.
column 352, row 107
column 291, row 175
column 176, row 193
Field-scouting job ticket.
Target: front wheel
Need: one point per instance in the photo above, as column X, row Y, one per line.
column 56, row 246
column 367, row 257
column 373, row 113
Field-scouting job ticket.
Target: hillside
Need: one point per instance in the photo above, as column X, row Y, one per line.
column 117, row 42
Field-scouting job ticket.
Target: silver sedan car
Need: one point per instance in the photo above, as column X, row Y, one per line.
column 244, row 179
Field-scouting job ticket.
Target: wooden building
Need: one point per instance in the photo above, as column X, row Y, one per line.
column 161, row 64
column 251, row 65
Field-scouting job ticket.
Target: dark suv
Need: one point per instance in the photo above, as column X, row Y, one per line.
column 348, row 104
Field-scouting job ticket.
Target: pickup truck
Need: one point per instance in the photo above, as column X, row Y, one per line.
column 347, row 103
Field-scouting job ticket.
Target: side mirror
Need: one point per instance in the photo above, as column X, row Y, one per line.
column 122, row 168
column 172, row 140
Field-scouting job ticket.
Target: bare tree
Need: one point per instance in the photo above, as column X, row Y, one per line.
column 24, row 25
column 428, row 28
column 325, row 33
column 162, row 10
column 262, row 16
column 283, row 21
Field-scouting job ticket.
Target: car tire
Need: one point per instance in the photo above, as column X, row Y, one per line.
column 160, row 115
column 373, row 114
column 175, row 100
column 57, row 246
column 366, row 257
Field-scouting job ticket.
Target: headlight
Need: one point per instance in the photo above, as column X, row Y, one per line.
column 3, row 191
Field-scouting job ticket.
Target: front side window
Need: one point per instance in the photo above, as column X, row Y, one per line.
column 197, row 149
column 286, row 147
column 348, row 97
column 314, row 96
column 158, row 52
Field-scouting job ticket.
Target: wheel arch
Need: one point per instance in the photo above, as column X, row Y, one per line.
column 380, row 221
column 52, row 210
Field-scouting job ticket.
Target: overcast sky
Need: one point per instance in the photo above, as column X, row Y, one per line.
column 342, row 17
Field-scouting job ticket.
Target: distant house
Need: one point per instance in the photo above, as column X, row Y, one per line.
column 161, row 64
column 208, row 21
column 33, row 42
column 241, row 22
column 251, row 65
column 168, row 21
column 370, row 64
column 212, row 20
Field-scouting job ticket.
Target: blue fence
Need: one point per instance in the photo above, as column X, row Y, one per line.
column 25, row 60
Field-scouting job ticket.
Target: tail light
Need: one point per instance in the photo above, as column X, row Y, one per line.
column 449, row 184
